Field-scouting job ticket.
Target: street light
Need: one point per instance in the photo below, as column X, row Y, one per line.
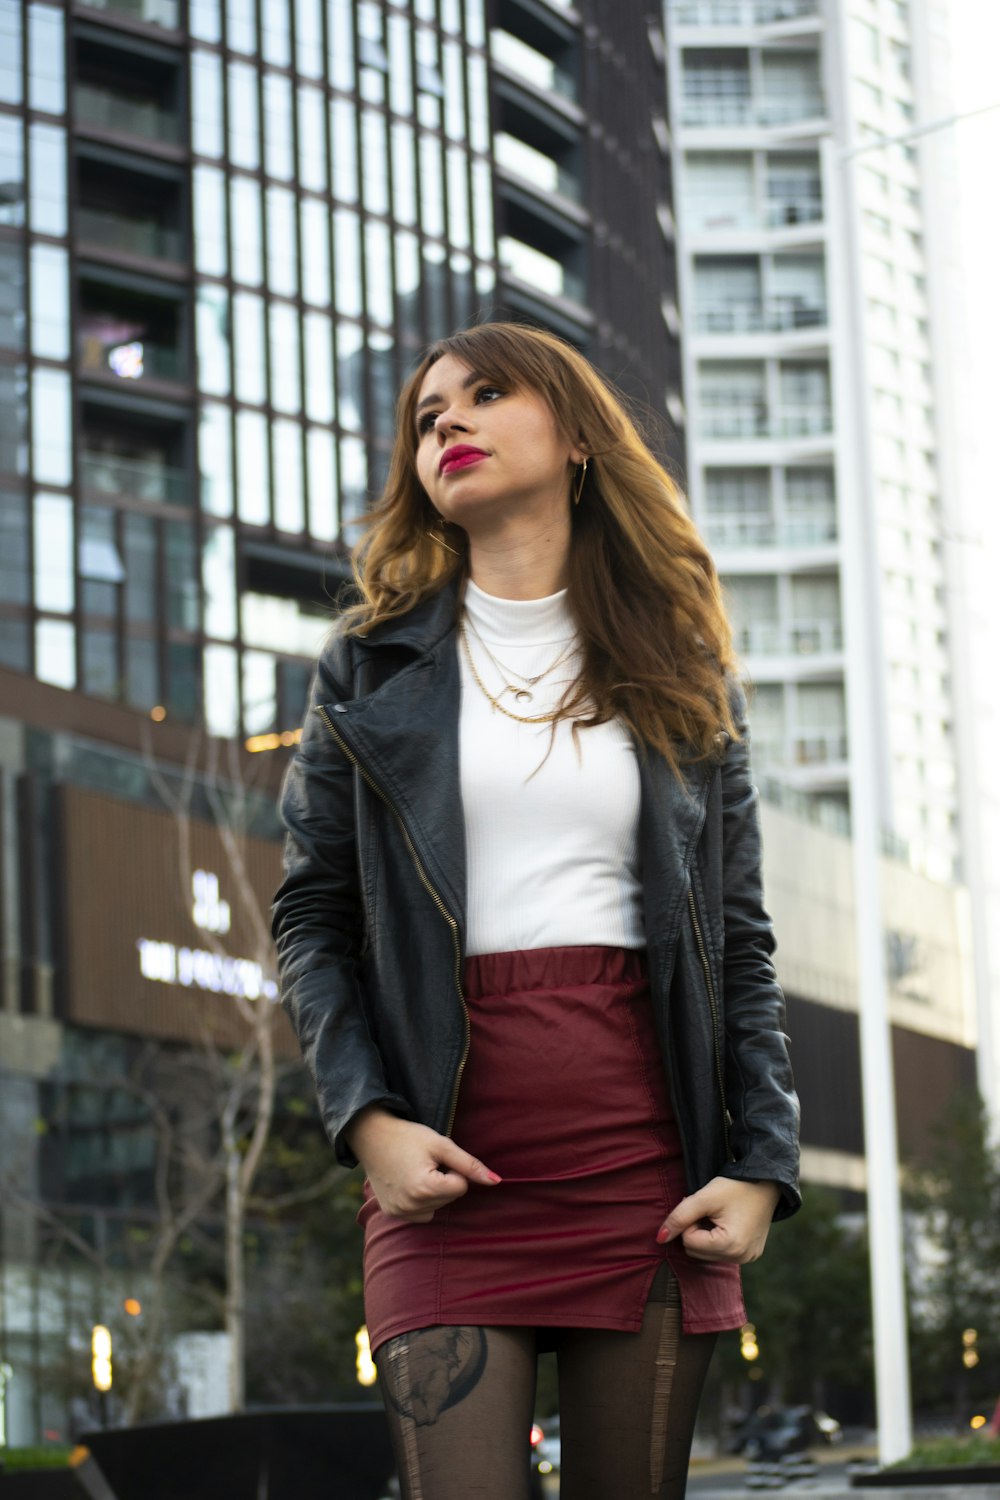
column 970, row 1354
column 749, row 1347
column 364, row 1365
column 100, row 1357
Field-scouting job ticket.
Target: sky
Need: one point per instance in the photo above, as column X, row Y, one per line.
column 975, row 31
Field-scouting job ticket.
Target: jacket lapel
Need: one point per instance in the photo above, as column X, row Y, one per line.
column 404, row 736
column 671, row 819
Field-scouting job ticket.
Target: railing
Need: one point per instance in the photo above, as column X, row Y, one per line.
column 535, row 168
column 733, row 417
column 114, row 231
column 739, row 12
column 741, row 531
column 133, row 359
column 778, row 638
column 802, row 421
column 165, row 13
column 531, row 66
column 540, row 271
column 110, row 111
column 777, row 315
column 135, row 479
column 809, row 531
column 762, row 530
column 782, row 212
column 820, row 746
column 720, row 109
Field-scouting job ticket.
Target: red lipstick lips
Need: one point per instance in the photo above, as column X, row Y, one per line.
column 460, row 457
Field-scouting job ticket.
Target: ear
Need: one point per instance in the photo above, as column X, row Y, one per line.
column 577, row 456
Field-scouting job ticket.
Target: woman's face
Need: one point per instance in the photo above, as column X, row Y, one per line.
column 485, row 453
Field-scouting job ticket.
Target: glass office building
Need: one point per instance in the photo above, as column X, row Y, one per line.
column 225, row 232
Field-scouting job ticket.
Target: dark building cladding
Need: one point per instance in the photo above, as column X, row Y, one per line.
column 227, row 231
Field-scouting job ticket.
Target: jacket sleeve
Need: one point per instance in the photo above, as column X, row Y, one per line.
column 763, row 1105
column 318, row 920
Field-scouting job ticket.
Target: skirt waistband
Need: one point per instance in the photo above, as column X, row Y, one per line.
column 551, row 969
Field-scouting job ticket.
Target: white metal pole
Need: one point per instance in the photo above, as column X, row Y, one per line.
column 859, row 592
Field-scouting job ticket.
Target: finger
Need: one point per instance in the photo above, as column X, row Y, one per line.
column 453, row 1158
column 687, row 1212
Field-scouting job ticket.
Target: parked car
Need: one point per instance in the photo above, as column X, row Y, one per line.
column 772, row 1431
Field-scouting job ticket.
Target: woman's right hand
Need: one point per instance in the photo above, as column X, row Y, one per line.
column 413, row 1171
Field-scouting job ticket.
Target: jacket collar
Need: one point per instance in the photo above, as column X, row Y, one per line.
column 422, row 627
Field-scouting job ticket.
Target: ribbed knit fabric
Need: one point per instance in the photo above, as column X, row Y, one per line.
column 551, row 823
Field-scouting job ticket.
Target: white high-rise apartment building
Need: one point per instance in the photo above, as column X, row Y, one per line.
column 810, row 383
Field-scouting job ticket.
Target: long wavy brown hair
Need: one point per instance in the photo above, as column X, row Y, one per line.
column 642, row 587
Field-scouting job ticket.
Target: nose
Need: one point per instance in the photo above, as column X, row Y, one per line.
column 449, row 420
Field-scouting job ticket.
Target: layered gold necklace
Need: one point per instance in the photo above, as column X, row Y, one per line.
column 522, row 694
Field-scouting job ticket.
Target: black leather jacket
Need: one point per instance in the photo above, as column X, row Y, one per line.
column 369, row 920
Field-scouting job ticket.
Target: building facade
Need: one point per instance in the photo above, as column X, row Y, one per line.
column 810, row 380
column 226, row 232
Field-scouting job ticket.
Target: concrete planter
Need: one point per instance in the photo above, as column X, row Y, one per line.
column 955, row 1478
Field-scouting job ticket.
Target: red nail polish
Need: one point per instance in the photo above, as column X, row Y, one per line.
column 662, row 1235
column 493, row 1176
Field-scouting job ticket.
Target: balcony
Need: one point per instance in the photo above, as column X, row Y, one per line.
column 784, row 212
column 817, row 747
column 536, row 168
column 798, row 638
column 130, row 329
column 762, row 530
column 130, row 359
column 108, row 229
column 735, row 418
column 542, row 272
column 529, row 66
column 131, row 115
column 772, row 315
column 722, row 111
column 108, row 477
column 740, row 12
column 163, row 13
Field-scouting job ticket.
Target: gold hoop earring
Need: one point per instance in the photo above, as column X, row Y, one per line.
column 580, row 483
column 436, row 536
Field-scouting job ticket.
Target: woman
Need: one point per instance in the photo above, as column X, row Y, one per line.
column 521, row 935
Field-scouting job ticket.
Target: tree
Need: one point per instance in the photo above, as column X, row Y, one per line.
column 809, row 1301
column 954, row 1261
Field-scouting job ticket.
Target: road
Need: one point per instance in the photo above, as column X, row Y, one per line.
column 725, row 1480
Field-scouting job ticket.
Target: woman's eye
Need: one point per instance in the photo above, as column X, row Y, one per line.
column 488, row 392
column 426, row 422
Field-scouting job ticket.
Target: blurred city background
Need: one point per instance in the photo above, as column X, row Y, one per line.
column 227, row 228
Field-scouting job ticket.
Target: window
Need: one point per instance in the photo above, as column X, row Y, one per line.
column 253, row 495
column 11, row 170
column 49, row 301
column 46, row 77
column 47, row 144
column 278, row 127
column 210, row 250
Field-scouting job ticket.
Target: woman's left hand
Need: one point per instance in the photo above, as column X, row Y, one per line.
column 725, row 1220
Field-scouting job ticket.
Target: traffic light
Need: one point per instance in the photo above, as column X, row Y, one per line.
column 100, row 1356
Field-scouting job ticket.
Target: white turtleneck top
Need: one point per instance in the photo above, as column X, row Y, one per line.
column 551, row 824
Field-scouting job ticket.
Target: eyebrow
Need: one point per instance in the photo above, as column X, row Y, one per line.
column 473, row 378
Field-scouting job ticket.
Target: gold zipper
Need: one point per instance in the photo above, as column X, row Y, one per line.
column 713, row 1005
column 429, row 888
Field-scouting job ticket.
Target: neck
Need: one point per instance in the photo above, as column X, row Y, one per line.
column 527, row 565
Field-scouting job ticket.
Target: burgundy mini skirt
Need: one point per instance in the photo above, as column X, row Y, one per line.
column 564, row 1096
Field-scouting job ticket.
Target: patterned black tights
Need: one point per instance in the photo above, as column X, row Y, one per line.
column 460, row 1404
